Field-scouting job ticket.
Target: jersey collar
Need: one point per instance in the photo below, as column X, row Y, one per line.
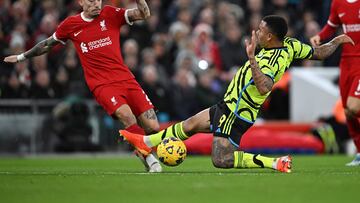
column 283, row 47
column 85, row 18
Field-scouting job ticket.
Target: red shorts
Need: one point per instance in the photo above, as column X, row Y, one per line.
column 114, row 95
column 349, row 82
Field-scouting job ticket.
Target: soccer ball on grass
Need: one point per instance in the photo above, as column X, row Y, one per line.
column 171, row 151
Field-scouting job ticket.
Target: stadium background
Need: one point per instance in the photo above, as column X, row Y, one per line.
column 45, row 107
column 183, row 57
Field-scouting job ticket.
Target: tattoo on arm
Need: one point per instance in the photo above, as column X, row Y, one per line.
column 223, row 153
column 262, row 82
column 143, row 8
column 41, row 48
column 141, row 12
column 326, row 50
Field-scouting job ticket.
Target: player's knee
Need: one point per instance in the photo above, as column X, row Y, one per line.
column 219, row 161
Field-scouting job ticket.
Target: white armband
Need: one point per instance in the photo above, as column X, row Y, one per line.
column 20, row 57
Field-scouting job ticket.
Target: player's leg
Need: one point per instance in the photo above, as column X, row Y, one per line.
column 149, row 122
column 225, row 155
column 127, row 118
column 143, row 110
column 182, row 130
column 349, row 84
column 352, row 112
column 228, row 130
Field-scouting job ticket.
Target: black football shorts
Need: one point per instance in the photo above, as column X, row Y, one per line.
column 224, row 123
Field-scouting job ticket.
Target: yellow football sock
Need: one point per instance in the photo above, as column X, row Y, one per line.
column 247, row 160
column 175, row 130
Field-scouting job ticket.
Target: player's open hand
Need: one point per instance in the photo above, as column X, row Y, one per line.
column 345, row 39
column 11, row 59
column 251, row 45
column 315, row 40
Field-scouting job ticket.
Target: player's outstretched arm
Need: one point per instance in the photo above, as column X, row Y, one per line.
column 140, row 13
column 262, row 82
column 39, row 49
column 325, row 50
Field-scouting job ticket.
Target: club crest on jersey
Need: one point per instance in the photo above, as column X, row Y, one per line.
column 102, row 25
column 83, row 47
column 113, row 100
column 357, row 91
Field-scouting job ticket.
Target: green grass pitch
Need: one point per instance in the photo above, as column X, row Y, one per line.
column 101, row 179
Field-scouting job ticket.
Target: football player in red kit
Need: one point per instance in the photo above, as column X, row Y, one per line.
column 346, row 14
column 95, row 33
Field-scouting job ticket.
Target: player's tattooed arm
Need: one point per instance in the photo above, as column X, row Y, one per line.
column 39, row 49
column 42, row 47
column 325, row 50
column 262, row 82
column 141, row 12
column 222, row 153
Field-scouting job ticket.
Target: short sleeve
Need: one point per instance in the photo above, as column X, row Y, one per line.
column 301, row 50
column 117, row 15
column 334, row 20
column 61, row 34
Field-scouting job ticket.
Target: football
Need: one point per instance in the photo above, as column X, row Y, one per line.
column 171, row 151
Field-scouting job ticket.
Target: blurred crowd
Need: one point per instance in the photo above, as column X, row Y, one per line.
column 183, row 56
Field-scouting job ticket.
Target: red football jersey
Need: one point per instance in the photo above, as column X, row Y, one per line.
column 345, row 13
column 97, row 42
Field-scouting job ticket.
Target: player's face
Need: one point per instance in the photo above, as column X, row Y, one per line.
column 91, row 8
column 263, row 34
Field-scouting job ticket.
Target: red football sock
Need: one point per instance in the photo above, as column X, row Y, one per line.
column 135, row 129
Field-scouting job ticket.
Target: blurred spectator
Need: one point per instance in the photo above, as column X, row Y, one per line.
column 206, row 91
column 205, row 47
column 131, row 47
column 185, row 17
column 179, row 33
column 187, row 60
column 41, row 87
column 179, row 5
column 148, row 57
column 132, row 62
column 131, row 56
column 254, row 7
column 14, row 89
column 156, row 91
column 61, row 83
column 183, row 94
column 160, row 48
column 23, row 73
column 232, row 50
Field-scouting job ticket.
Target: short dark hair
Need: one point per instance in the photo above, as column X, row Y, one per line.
column 277, row 25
